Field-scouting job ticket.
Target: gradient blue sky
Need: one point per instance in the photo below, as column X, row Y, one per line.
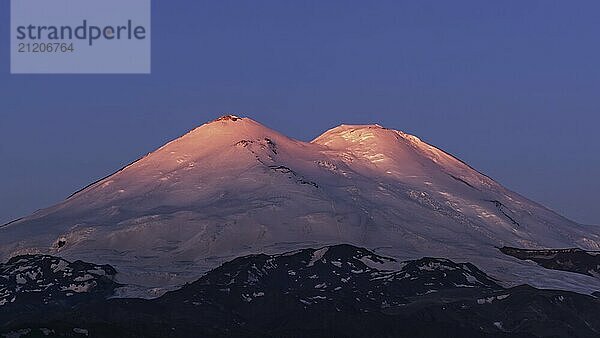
column 511, row 87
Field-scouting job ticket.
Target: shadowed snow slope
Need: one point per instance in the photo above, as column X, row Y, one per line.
column 232, row 187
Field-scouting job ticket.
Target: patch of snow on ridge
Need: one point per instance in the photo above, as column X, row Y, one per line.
column 60, row 266
column 317, row 256
column 383, row 265
column 79, row 288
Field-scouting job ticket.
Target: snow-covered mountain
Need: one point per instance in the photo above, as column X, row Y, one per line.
column 233, row 187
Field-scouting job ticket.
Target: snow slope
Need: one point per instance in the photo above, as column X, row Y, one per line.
column 233, row 187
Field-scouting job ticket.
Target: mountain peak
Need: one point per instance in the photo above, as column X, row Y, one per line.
column 371, row 137
column 231, row 120
column 228, row 118
column 359, row 133
column 227, row 129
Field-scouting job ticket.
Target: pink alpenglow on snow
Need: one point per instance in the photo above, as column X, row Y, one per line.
column 233, row 186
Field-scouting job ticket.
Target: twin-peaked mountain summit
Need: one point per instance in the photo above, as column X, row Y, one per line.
column 233, row 187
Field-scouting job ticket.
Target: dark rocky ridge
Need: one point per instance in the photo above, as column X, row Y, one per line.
column 573, row 260
column 31, row 285
column 341, row 291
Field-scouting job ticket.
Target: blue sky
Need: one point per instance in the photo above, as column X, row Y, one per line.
column 510, row 87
